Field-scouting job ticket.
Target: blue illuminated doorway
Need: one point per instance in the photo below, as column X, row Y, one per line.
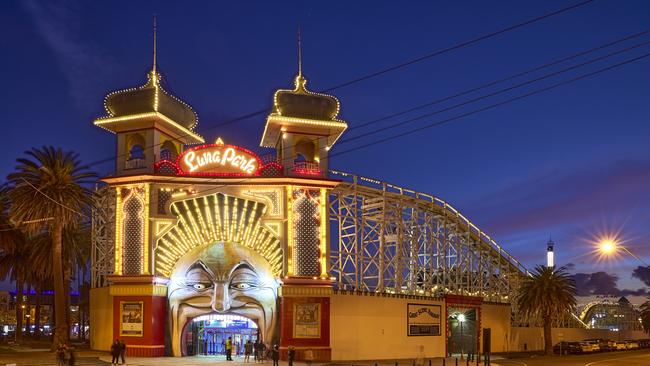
column 206, row 335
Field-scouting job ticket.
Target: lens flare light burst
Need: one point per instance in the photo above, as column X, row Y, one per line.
column 607, row 247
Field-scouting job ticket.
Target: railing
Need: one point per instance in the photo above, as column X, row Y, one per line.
column 135, row 163
column 305, row 168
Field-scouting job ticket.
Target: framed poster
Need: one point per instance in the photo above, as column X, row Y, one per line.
column 423, row 320
column 306, row 320
column 131, row 318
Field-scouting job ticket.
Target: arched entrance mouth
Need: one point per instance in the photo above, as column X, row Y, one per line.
column 206, row 335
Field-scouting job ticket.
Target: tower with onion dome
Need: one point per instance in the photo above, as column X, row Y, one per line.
column 303, row 127
column 151, row 125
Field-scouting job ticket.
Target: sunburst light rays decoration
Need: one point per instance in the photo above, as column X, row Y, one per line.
column 217, row 218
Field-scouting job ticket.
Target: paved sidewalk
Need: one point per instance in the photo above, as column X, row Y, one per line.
column 98, row 358
column 239, row 361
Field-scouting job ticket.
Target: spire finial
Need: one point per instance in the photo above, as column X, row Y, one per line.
column 299, row 53
column 154, row 44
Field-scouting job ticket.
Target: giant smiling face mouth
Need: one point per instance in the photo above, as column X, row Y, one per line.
column 223, row 278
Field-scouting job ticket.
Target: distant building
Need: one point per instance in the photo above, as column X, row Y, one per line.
column 30, row 300
column 610, row 312
column 550, row 260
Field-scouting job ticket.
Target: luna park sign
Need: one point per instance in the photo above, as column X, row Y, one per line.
column 219, row 159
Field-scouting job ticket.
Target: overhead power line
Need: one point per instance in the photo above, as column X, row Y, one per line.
column 460, row 45
column 492, row 106
column 502, row 80
column 383, row 71
column 501, row 91
column 461, row 116
column 507, row 89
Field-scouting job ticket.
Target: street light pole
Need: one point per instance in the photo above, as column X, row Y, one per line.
column 461, row 320
column 634, row 255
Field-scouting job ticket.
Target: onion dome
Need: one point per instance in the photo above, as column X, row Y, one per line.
column 303, row 112
column 301, row 103
column 148, row 98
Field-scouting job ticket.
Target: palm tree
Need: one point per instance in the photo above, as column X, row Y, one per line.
column 75, row 249
column 52, row 185
column 9, row 233
column 13, row 256
column 547, row 294
column 645, row 316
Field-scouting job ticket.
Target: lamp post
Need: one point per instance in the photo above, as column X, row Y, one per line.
column 461, row 319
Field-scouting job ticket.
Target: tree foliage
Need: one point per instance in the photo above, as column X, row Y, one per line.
column 547, row 294
column 50, row 191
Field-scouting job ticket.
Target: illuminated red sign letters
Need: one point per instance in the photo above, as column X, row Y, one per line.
column 219, row 160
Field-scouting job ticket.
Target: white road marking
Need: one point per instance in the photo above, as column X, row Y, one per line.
column 508, row 361
column 616, row 359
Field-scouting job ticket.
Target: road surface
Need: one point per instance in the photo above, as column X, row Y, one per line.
column 624, row 358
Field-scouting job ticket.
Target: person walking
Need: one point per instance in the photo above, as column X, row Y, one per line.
column 115, row 352
column 60, row 355
column 262, row 355
column 122, row 350
column 256, row 350
column 275, row 355
column 291, row 355
column 229, row 349
column 72, row 356
column 248, row 349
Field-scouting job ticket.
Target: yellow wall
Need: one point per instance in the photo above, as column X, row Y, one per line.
column 374, row 327
column 101, row 319
column 497, row 318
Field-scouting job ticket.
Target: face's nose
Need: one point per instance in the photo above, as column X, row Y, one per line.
column 221, row 298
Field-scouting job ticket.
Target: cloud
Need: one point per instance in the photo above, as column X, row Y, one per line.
column 602, row 283
column 643, row 274
column 83, row 63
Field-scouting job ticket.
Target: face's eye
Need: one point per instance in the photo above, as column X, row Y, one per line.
column 199, row 286
column 242, row 285
column 244, row 278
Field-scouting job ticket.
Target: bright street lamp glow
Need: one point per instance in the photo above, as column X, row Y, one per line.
column 461, row 317
column 607, row 246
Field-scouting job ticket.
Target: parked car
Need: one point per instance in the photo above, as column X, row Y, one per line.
column 644, row 343
column 621, row 346
column 595, row 346
column 631, row 345
column 604, row 345
column 566, row 348
column 588, row 347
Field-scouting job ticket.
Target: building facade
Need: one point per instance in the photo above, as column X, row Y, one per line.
column 197, row 241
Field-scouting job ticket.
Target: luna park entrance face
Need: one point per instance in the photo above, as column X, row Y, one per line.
column 207, row 335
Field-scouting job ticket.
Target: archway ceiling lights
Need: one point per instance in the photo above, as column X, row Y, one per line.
column 217, row 218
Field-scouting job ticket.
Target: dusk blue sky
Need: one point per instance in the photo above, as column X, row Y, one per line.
column 568, row 163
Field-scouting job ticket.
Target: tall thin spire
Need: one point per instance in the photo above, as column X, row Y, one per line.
column 154, row 44
column 299, row 53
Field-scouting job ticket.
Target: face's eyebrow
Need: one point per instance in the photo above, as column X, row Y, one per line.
column 200, row 266
column 242, row 265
